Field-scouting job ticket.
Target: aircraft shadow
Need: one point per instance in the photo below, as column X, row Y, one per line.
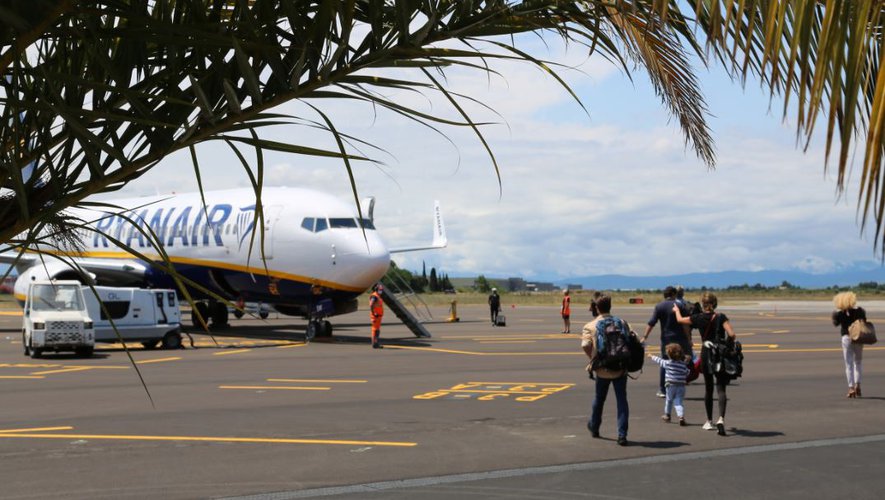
column 385, row 341
column 296, row 333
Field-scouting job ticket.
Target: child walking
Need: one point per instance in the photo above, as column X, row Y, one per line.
column 675, row 372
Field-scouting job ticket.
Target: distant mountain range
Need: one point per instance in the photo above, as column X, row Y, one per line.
column 849, row 276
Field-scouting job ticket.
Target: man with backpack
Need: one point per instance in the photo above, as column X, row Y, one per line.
column 606, row 341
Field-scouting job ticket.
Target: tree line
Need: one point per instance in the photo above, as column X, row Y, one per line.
column 419, row 283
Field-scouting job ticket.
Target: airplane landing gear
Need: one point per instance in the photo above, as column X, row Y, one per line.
column 318, row 328
column 219, row 314
column 214, row 313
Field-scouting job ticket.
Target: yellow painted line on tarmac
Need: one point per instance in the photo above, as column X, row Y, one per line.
column 289, row 346
column 780, row 331
column 158, row 360
column 429, row 349
column 528, row 337
column 21, row 376
column 274, row 387
column 515, row 336
column 45, row 365
column 38, row 429
column 225, row 353
column 579, row 353
column 64, row 370
column 822, row 349
column 305, row 380
column 472, row 353
column 210, row 439
column 507, row 341
column 797, row 318
column 556, row 384
column 10, row 313
column 27, row 365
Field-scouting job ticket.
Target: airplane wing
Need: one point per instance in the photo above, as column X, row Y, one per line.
column 125, row 269
column 10, row 257
column 439, row 233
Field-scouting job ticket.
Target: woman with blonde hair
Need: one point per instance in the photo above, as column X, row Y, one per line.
column 845, row 314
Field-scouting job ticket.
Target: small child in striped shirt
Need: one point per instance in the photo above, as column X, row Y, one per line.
column 675, row 372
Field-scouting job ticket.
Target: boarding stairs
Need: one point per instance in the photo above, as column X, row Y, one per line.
column 396, row 295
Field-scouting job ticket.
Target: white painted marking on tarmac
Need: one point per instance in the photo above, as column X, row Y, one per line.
column 554, row 469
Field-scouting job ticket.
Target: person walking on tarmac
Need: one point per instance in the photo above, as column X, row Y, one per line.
column 671, row 331
column 494, row 306
column 376, row 312
column 605, row 377
column 566, row 312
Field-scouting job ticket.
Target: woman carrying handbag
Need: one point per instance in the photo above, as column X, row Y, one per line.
column 716, row 332
column 845, row 314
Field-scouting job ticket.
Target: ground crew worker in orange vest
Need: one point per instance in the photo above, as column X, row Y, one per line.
column 566, row 313
column 376, row 312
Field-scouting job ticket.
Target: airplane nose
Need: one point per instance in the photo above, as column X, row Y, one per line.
column 368, row 259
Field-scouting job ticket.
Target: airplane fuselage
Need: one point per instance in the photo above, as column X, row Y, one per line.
column 304, row 246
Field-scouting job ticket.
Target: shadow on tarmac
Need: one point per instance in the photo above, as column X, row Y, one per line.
column 69, row 356
column 657, row 445
column 756, row 434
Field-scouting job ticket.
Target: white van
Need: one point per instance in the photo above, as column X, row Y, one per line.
column 140, row 315
column 55, row 319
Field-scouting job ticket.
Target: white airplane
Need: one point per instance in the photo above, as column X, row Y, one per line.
column 317, row 260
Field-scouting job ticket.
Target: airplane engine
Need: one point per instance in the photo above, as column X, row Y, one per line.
column 50, row 270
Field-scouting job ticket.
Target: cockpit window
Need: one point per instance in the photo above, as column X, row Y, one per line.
column 342, row 222
column 316, row 224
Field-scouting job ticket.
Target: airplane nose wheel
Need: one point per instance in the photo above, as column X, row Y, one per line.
column 318, row 328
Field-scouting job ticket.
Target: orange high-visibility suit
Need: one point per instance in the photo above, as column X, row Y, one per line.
column 376, row 312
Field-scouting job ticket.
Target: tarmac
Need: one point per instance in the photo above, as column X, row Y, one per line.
column 476, row 411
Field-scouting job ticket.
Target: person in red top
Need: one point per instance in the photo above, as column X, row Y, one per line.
column 376, row 312
column 566, row 312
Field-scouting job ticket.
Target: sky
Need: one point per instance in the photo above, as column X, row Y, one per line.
column 611, row 191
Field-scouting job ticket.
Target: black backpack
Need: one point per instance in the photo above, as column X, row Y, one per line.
column 612, row 344
column 637, row 354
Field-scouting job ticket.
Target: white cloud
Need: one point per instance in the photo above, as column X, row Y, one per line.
column 614, row 193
